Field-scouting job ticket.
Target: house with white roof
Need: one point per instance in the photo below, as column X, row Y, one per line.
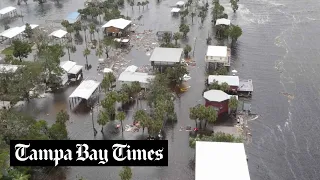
column 221, row 161
column 8, row 11
column 218, row 54
column 71, row 71
column 232, row 81
column 223, row 21
column 164, row 57
column 218, row 99
column 130, row 75
column 117, row 27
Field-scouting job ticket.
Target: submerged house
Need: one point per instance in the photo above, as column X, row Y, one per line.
column 130, row 75
column 232, row 81
column 217, row 99
column 117, row 27
column 71, row 71
column 166, row 57
column 218, row 55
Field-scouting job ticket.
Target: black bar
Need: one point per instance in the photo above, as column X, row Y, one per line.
column 67, row 153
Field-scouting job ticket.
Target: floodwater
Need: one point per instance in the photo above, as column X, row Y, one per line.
column 278, row 51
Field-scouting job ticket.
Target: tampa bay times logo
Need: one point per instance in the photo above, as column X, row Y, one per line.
column 88, row 153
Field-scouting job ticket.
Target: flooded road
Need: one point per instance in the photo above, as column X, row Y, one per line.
column 278, row 51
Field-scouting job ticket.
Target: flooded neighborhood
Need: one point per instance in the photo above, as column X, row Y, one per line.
column 240, row 74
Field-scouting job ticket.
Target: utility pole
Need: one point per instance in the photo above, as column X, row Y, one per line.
column 94, row 129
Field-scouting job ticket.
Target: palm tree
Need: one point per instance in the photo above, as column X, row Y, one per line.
column 211, row 115
column 193, row 14
column 121, row 116
column 84, row 27
column 71, row 49
column 86, row 52
column 176, row 37
column 99, row 51
column 103, row 119
column 107, row 81
column 139, row 4
column 70, row 30
column 92, row 29
column 147, row 3
column 132, row 4
column 143, row 4
column 187, row 50
column 142, row 117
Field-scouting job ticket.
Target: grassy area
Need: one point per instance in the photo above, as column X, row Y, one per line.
column 7, row 51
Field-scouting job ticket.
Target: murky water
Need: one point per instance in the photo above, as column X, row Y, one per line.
column 278, row 51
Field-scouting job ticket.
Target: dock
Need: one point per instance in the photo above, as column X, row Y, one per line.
column 245, row 87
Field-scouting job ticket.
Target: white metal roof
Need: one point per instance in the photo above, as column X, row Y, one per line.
column 215, row 95
column 58, row 33
column 12, row 32
column 217, row 51
column 166, row 54
column 7, row 10
column 221, row 161
column 67, row 65
column 5, row 68
column 85, row 89
column 31, row 25
column 131, row 68
column 117, row 23
column 107, row 70
column 75, row 69
column 175, row 10
column 135, row 76
column 180, row 3
column 230, row 80
column 223, row 21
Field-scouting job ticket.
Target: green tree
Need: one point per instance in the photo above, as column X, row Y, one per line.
column 147, row 3
column 77, row 27
column 71, row 49
column 121, row 116
column 65, row 23
column 109, row 44
column 143, row 118
column 21, row 49
column 234, row 5
column 28, row 31
column 193, row 14
column 103, row 119
column 202, row 15
column 107, row 81
column 176, row 37
column 233, row 103
column 167, row 37
column 132, row 4
column 175, row 74
column 217, row 137
column 99, row 51
column 217, row 11
column 92, row 29
column 234, row 32
column 139, row 4
column 187, row 49
column 125, row 173
column 70, row 30
column 184, row 29
column 224, row 87
column 85, row 28
column 86, row 53
column 62, row 117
